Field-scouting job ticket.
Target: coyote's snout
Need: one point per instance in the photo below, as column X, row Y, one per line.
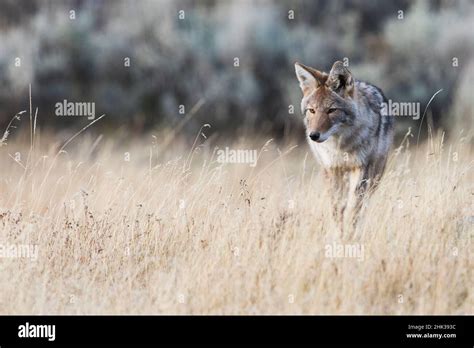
column 346, row 130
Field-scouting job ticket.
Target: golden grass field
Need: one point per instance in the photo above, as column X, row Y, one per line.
column 153, row 228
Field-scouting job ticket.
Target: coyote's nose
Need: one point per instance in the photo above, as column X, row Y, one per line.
column 314, row 136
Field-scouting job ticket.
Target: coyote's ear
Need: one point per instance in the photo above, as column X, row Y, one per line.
column 340, row 79
column 309, row 78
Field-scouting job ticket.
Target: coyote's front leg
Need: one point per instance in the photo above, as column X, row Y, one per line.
column 347, row 190
column 337, row 180
column 355, row 195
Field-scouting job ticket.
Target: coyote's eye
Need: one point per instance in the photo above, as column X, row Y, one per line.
column 311, row 110
column 331, row 110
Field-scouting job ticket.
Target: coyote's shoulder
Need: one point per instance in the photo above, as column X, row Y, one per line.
column 374, row 98
column 376, row 133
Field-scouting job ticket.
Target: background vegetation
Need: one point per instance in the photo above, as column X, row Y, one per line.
column 409, row 54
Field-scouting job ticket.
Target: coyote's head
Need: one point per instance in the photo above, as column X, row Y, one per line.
column 327, row 102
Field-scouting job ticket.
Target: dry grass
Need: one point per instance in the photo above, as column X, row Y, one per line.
column 190, row 235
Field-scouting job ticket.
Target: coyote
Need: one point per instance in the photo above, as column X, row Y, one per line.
column 348, row 132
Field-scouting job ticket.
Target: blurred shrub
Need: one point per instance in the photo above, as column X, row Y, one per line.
column 179, row 62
